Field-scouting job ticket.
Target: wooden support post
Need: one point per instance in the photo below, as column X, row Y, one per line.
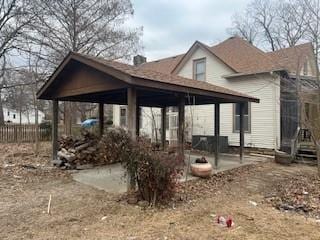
column 181, row 118
column 241, row 147
column 132, row 125
column 163, row 128
column 138, row 116
column 55, row 110
column 216, row 133
column 101, row 119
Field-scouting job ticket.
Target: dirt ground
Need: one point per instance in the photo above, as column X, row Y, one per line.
column 82, row 212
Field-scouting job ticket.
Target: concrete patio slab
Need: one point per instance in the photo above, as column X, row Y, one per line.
column 112, row 178
column 109, row 178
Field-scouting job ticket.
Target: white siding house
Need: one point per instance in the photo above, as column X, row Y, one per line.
column 13, row 116
column 264, row 118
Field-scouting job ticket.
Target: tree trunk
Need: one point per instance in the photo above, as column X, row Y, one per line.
column 1, row 110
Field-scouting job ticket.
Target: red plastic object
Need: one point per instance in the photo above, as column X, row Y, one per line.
column 229, row 222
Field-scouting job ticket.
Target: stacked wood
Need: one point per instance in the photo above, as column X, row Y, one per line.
column 78, row 151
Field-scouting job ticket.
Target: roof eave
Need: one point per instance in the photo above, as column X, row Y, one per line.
column 235, row 75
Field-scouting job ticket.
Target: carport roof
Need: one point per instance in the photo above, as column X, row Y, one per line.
column 138, row 77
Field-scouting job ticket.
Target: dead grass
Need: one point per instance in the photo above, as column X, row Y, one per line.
column 77, row 209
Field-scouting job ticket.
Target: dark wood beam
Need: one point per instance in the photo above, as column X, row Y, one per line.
column 216, row 133
column 138, row 115
column 55, row 111
column 181, row 119
column 101, row 119
column 241, row 147
column 163, row 127
column 132, row 125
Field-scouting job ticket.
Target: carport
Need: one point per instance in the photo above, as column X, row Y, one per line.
column 81, row 78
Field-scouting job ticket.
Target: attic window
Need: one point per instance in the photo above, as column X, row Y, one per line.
column 199, row 69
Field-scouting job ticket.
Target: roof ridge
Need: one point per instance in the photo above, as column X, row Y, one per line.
column 287, row 48
column 166, row 58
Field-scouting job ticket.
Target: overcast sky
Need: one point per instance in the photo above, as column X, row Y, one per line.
column 171, row 26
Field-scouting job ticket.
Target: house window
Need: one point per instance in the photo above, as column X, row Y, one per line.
column 246, row 117
column 14, row 116
column 173, row 121
column 167, row 122
column 123, row 116
column 8, row 113
column 305, row 68
column 199, row 69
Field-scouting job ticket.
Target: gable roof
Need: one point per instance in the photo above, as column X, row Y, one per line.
column 133, row 75
column 292, row 58
column 240, row 56
column 189, row 53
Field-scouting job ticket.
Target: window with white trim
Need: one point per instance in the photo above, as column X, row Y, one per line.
column 246, row 117
column 123, row 116
column 199, row 69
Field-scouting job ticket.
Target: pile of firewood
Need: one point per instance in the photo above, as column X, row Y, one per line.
column 78, row 151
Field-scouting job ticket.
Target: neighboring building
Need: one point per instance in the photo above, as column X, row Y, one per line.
column 13, row 116
column 237, row 65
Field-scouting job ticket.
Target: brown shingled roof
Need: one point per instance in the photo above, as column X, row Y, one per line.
column 172, row 79
column 242, row 57
column 292, row 58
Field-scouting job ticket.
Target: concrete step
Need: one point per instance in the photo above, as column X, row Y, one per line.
column 307, row 151
column 305, row 155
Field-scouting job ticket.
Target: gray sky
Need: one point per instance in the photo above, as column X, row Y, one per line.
column 171, row 26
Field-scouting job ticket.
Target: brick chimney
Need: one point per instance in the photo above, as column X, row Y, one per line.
column 138, row 60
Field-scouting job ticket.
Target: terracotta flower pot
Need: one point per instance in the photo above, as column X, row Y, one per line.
column 201, row 169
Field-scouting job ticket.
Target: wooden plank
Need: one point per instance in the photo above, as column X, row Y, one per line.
column 241, row 148
column 138, row 116
column 131, row 121
column 55, row 110
column 101, row 119
column 216, row 133
column 163, row 128
column 181, row 124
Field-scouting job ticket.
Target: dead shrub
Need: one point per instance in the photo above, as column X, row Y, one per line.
column 115, row 146
column 154, row 172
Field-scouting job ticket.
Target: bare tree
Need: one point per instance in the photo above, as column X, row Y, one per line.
column 15, row 16
column 244, row 27
column 92, row 27
column 263, row 13
column 313, row 31
column 275, row 24
column 291, row 23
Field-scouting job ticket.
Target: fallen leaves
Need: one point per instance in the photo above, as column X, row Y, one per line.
column 299, row 193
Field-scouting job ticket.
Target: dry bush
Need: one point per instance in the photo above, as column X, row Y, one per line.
column 154, row 172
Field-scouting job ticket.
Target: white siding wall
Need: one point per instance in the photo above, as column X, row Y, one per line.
column 146, row 125
column 265, row 116
column 13, row 116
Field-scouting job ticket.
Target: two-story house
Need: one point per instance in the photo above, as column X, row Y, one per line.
column 237, row 65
